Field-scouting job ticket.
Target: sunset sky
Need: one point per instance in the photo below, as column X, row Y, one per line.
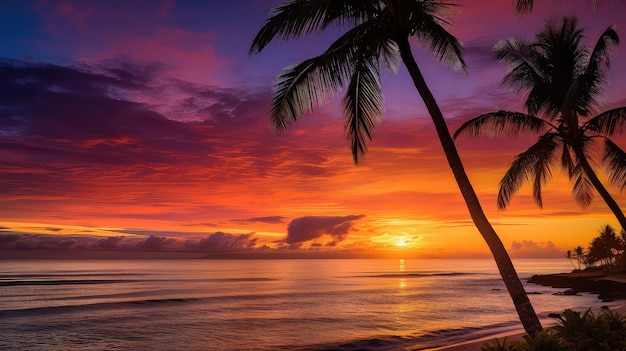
column 141, row 126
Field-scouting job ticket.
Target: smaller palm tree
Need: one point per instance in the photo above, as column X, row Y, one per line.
column 580, row 256
column 563, row 80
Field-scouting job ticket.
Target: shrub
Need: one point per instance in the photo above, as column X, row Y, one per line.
column 605, row 331
column 500, row 345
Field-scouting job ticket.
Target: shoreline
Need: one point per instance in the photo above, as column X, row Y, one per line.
column 517, row 335
column 608, row 287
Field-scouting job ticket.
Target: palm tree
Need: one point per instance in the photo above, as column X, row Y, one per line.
column 564, row 80
column 378, row 33
column 580, row 255
column 605, row 247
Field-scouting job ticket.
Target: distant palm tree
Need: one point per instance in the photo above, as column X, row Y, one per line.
column 563, row 79
column 606, row 246
column 580, row 256
column 379, row 32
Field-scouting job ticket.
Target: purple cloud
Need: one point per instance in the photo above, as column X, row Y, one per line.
column 156, row 243
column 220, row 242
column 312, row 227
column 110, row 242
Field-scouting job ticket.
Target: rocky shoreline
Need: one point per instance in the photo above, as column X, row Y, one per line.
column 609, row 287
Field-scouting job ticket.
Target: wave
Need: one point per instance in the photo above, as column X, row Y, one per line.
column 114, row 281
column 130, row 300
column 30, row 312
column 62, row 282
column 64, row 274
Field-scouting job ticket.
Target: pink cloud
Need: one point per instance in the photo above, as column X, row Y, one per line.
column 533, row 249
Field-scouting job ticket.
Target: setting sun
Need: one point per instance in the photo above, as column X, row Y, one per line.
column 402, row 241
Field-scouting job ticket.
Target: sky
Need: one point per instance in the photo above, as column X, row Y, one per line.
column 141, row 127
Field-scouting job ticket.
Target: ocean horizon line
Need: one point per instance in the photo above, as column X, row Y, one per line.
column 194, row 255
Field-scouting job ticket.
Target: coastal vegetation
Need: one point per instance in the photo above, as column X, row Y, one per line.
column 604, row 331
column 378, row 35
column 605, row 252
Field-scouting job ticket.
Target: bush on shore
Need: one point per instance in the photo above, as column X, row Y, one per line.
column 605, row 331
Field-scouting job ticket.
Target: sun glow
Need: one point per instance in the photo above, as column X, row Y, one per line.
column 402, row 241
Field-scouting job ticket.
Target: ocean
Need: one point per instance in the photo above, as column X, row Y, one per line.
column 326, row 304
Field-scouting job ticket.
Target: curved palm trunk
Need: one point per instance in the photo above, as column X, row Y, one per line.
column 617, row 211
column 525, row 310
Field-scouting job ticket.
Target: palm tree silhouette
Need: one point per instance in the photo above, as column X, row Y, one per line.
column 564, row 80
column 379, row 35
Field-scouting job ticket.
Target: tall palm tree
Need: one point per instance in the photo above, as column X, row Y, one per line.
column 564, row 81
column 378, row 33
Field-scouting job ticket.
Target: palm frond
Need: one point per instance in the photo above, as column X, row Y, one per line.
column 583, row 188
column 304, row 86
column 598, row 64
column 502, row 123
column 525, row 71
column 543, row 167
column 609, row 122
column 363, row 105
column 308, row 84
column 390, row 54
column 615, row 163
column 534, row 163
column 427, row 26
column 300, row 17
column 524, row 6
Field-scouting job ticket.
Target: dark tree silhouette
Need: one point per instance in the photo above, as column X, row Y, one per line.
column 563, row 80
column 378, row 34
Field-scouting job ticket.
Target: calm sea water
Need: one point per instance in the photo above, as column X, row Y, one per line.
column 262, row 304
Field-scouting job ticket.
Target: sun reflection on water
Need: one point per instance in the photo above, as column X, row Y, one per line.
column 402, row 283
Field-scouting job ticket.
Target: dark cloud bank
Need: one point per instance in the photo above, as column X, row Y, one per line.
column 312, row 227
column 299, row 231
